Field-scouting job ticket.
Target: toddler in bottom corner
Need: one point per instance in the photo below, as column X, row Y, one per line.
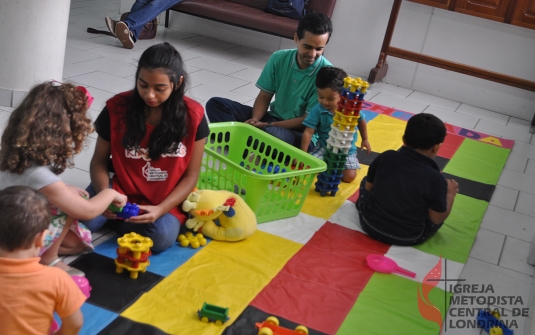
column 329, row 83
column 31, row 292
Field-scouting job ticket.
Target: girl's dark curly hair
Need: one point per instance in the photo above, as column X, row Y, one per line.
column 173, row 127
column 48, row 128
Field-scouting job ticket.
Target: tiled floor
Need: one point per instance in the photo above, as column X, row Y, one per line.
column 219, row 68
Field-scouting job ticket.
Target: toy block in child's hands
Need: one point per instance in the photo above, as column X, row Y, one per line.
column 125, row 212
column 114, row 209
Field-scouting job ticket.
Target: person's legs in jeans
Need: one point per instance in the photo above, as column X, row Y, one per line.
column 98, row 222
column 290, row 136
column 143, row 11
column 163, row 232
column 225, row 110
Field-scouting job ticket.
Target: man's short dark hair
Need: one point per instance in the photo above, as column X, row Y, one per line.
column 331, row 77
column 423, row 131
column 316, row 23
column 24, row 213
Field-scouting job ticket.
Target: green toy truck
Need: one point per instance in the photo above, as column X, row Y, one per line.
column 213, row 313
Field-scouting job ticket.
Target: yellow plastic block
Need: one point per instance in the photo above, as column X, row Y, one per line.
column 134, row 242
column 133, row 271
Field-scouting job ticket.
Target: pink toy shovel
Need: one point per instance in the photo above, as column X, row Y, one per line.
column 384, row 264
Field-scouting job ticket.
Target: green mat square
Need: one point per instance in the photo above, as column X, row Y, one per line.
column 389, row 305
column 478, row 161
column 455, row 238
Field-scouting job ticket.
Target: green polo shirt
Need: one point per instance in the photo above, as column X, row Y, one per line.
column 294, row 89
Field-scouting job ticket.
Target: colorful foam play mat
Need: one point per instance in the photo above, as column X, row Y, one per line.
column 309, row 269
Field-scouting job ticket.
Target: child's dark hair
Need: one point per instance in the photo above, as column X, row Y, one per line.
column 25, row 213
column 315, row 23
column 331, row 77
column 48, row 128
column 423, row 131
column 173, row 126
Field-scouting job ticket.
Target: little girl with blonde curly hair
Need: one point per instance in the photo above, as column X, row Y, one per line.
column 39, row 142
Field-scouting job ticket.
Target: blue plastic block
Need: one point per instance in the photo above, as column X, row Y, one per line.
column 128, row 211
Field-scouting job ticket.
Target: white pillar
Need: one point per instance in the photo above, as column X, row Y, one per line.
column 33, row 35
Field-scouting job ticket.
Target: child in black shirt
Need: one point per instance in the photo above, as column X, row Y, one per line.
column 404, row 199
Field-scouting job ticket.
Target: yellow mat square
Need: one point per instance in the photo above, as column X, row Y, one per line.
column 223, row 274
column 325, row 207
column 385, row 133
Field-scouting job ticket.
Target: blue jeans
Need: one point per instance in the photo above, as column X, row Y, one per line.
column 143, row 11
column 163, row 232
column 225, row 110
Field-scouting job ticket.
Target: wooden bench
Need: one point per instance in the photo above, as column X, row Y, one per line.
column 248, row 14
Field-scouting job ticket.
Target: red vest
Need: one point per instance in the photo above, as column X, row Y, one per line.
column 146, row 181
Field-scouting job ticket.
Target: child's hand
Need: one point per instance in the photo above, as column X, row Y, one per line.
column 120, row 200
column 366, row 144
column 453, row 187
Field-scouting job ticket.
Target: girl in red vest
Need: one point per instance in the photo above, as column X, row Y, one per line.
column 155, row 138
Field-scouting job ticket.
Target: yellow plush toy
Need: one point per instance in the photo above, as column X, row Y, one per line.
column 236, row 220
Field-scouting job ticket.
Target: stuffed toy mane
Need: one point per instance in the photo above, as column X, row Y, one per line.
column 235, row 220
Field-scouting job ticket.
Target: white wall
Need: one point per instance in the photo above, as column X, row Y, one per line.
column 33, row 35
column 359, row 28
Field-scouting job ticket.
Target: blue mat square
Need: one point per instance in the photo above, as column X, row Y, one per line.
column 162, row 263
column 95, row 319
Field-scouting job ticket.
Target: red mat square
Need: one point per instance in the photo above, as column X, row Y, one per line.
column 329, row 272
column 452, row 142
column 355, row 196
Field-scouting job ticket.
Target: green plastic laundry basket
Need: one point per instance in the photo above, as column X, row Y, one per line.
column 260, row 168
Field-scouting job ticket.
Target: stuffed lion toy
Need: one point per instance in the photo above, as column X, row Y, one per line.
column 236, row 220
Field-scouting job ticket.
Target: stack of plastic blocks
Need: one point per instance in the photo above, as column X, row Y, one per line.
column 340, row 139
column 133, row 253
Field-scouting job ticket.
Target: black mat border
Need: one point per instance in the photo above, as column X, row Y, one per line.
column 245, row 323
column 122, row 325
column 110, row 290
column 473, row 189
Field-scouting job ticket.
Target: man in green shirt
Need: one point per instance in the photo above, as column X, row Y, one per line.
column 290, row 76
